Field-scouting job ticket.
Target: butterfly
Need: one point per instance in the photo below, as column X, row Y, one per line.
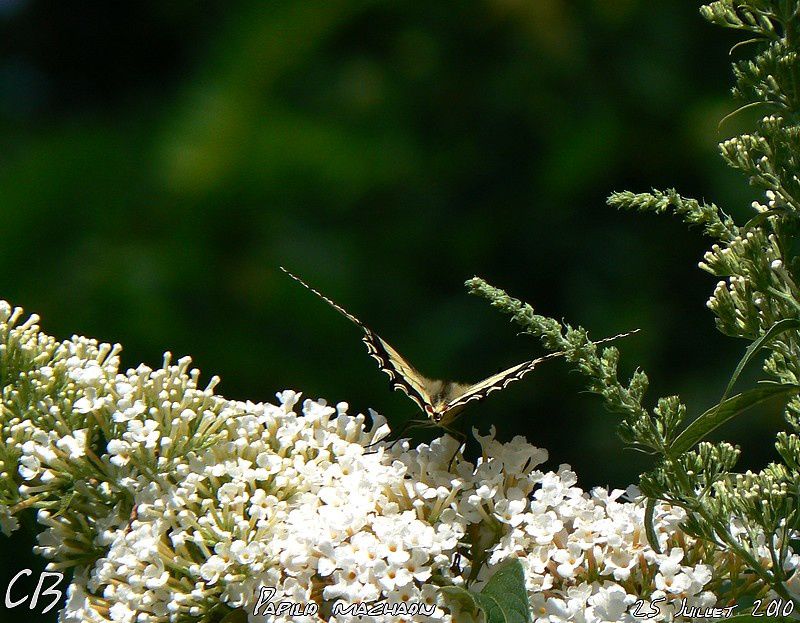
column 441, row 401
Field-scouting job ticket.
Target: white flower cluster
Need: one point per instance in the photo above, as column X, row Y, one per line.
column 287, row 501
column 587, row 558
column 173, row 504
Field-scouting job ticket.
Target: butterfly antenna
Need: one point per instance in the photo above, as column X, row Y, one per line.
column 338, row 308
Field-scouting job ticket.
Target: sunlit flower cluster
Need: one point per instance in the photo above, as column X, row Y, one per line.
column 171, row 503
column 289, row 501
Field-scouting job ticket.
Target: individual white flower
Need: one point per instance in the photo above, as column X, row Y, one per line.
column 698, row 576
column 144, row 434
column 670, row 565
column 120, row 612
column 128, row 408
column 617, row 562
column 610, row 603
column 675, row 583
column 543, row 526
column 568, row 560
column 345, row 586
column 75, row 444
column 213, row 568
column 511, row 510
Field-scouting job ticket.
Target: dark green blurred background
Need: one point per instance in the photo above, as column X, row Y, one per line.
column 159, row 160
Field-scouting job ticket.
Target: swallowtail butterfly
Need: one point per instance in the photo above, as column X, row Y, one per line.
column 442, row 401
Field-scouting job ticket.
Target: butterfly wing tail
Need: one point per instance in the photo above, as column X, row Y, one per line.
column 616, row 337
column 561, row 352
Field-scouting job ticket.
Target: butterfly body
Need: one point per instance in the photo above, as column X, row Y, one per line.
column 441, row 401
column 441, row 394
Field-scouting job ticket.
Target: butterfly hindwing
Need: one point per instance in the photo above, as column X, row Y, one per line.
column 402, row 375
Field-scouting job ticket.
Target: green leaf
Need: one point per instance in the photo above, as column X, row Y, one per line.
column 64, row 502
column 779, row 327
column 235, row 616
column 759, row 218
column 716, row 416
column 650, row 526
column 503, row 599
column 464, row 601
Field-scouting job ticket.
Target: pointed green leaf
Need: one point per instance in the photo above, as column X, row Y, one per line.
column 759, row 218
column 650, row 526
column 64, row 502
column 727, row 410
column 779, row 327
column 504, row 599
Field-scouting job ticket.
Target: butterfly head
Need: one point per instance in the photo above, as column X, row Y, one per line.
column 440, row 409
column 435, row 413
column 442, row 413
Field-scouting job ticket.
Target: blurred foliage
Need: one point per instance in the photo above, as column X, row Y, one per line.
column 158, row 161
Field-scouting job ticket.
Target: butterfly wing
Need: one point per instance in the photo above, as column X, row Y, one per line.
column 402, row 375
column 498, row 381
column 503, row 379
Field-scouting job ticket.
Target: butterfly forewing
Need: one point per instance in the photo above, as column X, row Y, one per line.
column 402, row 375
column 503, row 379
column 498, row 381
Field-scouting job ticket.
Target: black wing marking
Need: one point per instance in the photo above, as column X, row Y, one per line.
column 498, row 381
column 402, row 375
